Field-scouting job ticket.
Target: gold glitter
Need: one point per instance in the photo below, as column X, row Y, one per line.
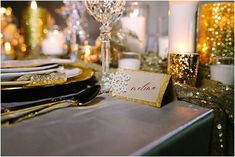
column 44, row 79
column 183, row 68
column 216, row 30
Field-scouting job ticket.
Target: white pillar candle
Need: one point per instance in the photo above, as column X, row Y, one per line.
column 163, row 46
column 182, row 24
column 222, row 73
column 53, row 44
column 129, row 63
column 136, row 24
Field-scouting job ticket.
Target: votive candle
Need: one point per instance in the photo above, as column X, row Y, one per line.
column 182, row 26
column 223, row 73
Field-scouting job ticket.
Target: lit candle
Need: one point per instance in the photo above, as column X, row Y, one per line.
column 136, row 23
column 34, row 24
column 53, row 44
column 182, row 24
column 34, row 21
column 7, row 48
column 222, row 73
column 129, row 60
column 129, row 63
column 8, row 52
column 33, row 5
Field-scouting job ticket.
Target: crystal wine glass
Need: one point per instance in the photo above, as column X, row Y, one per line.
column 106, row 12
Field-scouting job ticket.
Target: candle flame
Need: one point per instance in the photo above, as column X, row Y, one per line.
column 7, row 47
column 23, row 48
column 34, row 5
column 56, row 32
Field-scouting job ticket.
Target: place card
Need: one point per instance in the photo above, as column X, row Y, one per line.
column 148, row 88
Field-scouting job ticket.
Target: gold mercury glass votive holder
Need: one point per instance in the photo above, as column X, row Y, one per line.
column 88, row 54
column 183, row 68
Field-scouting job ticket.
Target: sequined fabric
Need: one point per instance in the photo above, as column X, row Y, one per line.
column 220, row 98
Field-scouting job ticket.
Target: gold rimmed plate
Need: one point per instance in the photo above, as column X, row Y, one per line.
column 28, row 93
column 71, row 72
column 75, row 73
column 15, row 75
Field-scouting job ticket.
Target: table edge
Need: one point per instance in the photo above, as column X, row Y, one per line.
column 151, row 145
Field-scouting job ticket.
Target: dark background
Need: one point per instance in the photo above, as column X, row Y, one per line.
column 19, row 6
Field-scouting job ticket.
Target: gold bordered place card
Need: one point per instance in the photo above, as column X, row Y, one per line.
column 143, row 87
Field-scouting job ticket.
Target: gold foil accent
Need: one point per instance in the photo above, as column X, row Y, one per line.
column 44, row 79
column 162, row 90
column 183, row 68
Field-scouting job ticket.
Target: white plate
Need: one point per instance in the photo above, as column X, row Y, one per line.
column 16, row 70
column 12, row 76
column 69, row 73
column 32, row 63
column 72, row 72
column 14, row 83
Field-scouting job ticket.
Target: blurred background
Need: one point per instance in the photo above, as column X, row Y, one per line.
column 64, row 29
column 156, row 10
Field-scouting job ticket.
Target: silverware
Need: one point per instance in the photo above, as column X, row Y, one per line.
column 79, row 99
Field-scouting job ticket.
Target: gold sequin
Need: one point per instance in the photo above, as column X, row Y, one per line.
column 216, row 30
column 183, row 68
column 219, row 126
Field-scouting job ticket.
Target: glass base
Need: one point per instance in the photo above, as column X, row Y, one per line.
column 73, row 57
column 105, row 84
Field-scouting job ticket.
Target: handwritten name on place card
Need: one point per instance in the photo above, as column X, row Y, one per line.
column 142, row 87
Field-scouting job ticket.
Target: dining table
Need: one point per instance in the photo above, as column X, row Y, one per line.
column 111, row 126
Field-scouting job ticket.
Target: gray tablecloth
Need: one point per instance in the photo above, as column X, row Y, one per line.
column 107, row 127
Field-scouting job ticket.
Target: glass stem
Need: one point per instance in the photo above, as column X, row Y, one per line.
column 105, row 53
column 73, row 46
